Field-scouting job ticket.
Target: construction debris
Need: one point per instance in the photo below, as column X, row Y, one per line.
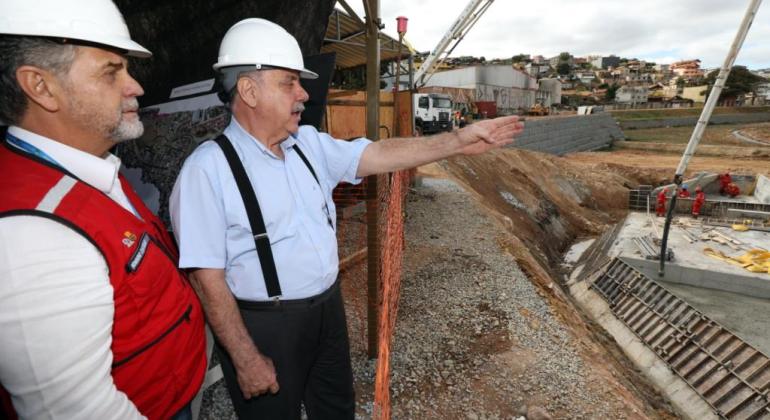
column 755, row 260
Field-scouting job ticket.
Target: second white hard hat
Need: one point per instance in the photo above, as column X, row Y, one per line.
column 260, row 42
column 97, row 21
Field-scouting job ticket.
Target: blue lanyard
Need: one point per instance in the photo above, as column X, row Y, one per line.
column 23, row 145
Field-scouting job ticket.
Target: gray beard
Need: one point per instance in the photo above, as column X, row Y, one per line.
column 127, row 130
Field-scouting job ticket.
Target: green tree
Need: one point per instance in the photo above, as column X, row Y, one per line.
column 518, row 58
column 565, row 56
column 739, row 82
column 611, row 90
column 563, row 68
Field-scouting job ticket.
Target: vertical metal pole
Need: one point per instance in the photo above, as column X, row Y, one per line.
column 705, row 115
column 411, row 71
column 372, row 199
column 396, row 117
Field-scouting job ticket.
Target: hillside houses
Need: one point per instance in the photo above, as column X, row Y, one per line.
column 571, row 81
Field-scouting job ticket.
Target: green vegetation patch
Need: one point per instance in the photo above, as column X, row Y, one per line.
column 658, row 114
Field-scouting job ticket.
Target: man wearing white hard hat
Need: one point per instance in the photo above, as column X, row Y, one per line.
column 255, row 221
column 96, row 321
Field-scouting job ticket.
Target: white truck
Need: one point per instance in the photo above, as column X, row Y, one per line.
column 432, row 112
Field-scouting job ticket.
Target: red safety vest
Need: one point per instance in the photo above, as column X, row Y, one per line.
column 158, row 338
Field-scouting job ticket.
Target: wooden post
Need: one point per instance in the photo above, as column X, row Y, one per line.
column 372, row 204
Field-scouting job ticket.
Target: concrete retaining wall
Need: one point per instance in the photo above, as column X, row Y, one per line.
column 707, row 279
column 762, row 190
column 689, row 404
column 691, row 121
column 564, row 135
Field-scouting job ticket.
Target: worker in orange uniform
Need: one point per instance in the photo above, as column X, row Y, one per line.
column 660, row 209
column 700, row 198
column 724, row 180
column 684, row 192
column 732, row 189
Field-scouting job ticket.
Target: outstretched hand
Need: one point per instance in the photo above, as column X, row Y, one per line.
column 486, row 135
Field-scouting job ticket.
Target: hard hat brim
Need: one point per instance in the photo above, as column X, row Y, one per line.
column 133, row 49
column 307, row 74
column 303, row 72
column 129, row 47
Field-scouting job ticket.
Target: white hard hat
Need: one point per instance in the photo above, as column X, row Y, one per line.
column 97, row 21
column 260, row 42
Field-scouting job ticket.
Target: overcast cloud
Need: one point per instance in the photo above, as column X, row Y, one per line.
column 662, row 31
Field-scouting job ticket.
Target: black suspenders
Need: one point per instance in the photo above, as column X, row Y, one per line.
column 254, row 213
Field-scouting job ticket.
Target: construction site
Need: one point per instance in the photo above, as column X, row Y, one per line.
column 564, row 276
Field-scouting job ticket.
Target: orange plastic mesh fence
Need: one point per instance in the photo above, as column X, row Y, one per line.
column 392, row 251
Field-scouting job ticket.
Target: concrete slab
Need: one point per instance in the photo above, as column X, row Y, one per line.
column 747, row 317
column 691, row 266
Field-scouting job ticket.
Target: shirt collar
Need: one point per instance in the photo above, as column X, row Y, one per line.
column 236, row 130
column 93, row 170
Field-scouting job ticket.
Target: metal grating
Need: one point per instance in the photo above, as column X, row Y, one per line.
column 728, row 373
column 640, row 198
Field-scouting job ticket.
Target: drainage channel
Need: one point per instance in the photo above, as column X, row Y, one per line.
column 729, row 374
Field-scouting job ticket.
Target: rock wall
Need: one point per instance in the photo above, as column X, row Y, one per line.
column 560, row 136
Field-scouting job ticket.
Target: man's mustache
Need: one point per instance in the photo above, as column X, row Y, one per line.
column 130, row 105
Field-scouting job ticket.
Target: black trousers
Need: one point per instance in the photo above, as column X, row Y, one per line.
column 308, row 343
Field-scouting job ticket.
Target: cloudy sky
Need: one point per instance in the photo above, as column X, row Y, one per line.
column 654, row 30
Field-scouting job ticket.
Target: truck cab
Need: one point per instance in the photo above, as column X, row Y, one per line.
column 432, row 112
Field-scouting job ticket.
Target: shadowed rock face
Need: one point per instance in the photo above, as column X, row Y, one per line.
column 184, row 35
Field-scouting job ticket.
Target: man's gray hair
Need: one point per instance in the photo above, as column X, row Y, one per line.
column 227, row 79
column 17, row 51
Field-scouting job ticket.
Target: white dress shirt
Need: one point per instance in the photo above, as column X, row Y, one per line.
column 56, row 305
column 213, row 229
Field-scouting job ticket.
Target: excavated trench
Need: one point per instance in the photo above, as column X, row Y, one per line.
column 549, row 203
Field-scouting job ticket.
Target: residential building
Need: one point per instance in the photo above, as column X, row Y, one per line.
column 660, row 91
column 579, row 61
column 585, row 77
column 762, row 73
column 763, row 93
column 606, row 62
column 695, row 93
column 620, row 72
column 537, row 69
column 605, row 76
column 631, row 95
column 689, row 69
column 554, row 61
column 548, row 92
